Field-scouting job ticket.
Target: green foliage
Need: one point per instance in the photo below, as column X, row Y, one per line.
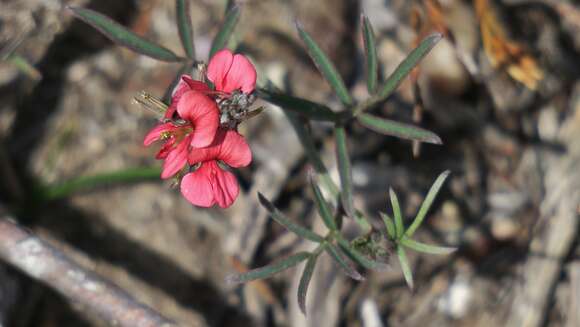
column 400, row 238
column 305, row 281
column 226, row 30
column 402, row 71
column 400, row 130
column 310, row 109
column 123, row 36
column 371, row 54
column 184, row 26
column 325, row 66
column 269, row 270
column 323, row 208
column 280, row 218
column 344, row 170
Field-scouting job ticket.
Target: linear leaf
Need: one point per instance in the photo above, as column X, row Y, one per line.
column 268, row 270
column 426, row 248
column 310, row 109
column 404, row 68
column 280, row 218
column 305, row 281
column 427, row 203
column 400, row 130
column 226, row 30
column 358, row 257
column 325, row 66
column 119, row 34
column 344, row 170
column 399, row 227
column 323, row 207
column 182, row 10
column 307, row 142
column 409, row 63
column 343, row 262
column 326, row 182
column 407, row 272
column 371, row 54
column 388, row 221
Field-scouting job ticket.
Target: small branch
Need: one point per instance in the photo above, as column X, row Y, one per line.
column 41, row 261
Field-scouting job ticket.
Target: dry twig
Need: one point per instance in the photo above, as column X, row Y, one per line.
column 47, row 264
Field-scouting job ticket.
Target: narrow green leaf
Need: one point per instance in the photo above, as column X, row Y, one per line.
column 426, row 248
column 312, row 110
column 326, row 182
column 307, row 142
column 359, row 257
column 399, row 226
column 371, row 54
column 182, row 10
column 325, row 66
column 388, row 221
column 323, row 207
column 268, row 270
column 427, row 203
column 404, row 68
column 400, row 130
column 280, row 218
column 226, row 30
column 407, row 273
column 123, row 36
column 362, row 221
column 344, row 170
column 305, row 281
column 343, row 262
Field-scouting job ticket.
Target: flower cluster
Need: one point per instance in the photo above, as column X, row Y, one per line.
column 199, row 130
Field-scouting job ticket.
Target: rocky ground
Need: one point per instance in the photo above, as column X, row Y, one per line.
column 511, row 204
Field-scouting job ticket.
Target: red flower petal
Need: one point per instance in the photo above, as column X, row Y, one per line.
column 234, row 150
column 186, row 83
column 225, row 186
column 176, row 159
column 242, row 75
column 196, row 187
column 203, row 113
column 228, row 146
column 166, row 148
column 218, row 67
column 155, row 133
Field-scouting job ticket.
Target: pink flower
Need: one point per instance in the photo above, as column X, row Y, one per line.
column 210, row 184
column 229, row 72
column 197, row 127
column 185, row 84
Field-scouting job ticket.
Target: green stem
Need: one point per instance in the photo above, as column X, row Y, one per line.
column 130, row 175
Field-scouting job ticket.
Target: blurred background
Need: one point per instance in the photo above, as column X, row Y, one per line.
column 501, row 90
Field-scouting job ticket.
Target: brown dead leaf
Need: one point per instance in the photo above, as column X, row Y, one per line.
column 504, row 53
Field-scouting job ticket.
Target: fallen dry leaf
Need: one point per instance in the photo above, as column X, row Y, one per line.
column 504, row 53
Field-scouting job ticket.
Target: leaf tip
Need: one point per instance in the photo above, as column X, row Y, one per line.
column 434, row 139
column 232, row 279
column 264, row 202
column 299, row 25
column 435, row 37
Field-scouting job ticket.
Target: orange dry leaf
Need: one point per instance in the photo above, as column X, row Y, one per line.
column 426, row 20
column 504, row 53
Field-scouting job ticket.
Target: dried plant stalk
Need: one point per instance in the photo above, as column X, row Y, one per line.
column 41, row 261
